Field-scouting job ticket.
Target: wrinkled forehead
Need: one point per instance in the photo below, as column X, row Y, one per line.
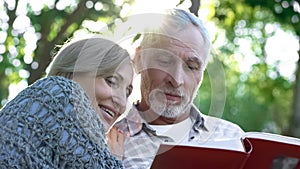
column 155, row 45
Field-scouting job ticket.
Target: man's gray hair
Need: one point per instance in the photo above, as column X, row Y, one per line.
column 173, row 21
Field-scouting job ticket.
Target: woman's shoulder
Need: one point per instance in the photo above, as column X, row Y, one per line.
column 51, row 117
column 51, row 92
column 53, row 83
column 58, row 88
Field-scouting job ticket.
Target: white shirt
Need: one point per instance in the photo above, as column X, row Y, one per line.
column 177, row 132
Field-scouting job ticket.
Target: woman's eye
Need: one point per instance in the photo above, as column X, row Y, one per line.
column 128, row 91
column 111, row 81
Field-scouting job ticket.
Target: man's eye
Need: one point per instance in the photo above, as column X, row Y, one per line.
column 193, row 67
column 163, row 59
column 165, row 62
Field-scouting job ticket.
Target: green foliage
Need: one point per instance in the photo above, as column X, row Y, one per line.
column 258, row 99
column 32, row 36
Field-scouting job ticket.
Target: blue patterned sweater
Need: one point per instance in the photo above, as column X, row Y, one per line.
column 51, row 124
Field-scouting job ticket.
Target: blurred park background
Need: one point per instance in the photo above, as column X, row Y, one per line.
column 257, row 43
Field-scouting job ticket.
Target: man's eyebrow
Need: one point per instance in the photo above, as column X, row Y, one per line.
column 195, row 59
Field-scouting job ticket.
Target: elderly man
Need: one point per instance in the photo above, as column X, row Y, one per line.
column 171, row 60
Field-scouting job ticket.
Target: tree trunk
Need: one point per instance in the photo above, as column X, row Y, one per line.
column 43, row 53
column 195, row 7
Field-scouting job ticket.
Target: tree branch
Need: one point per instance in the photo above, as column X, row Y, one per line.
column 195, row 7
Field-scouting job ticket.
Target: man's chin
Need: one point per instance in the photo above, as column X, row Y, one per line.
column 171, row 116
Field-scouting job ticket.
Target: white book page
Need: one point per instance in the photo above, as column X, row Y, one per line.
column 227, row 144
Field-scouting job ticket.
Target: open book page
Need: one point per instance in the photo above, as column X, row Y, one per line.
column 220, row 143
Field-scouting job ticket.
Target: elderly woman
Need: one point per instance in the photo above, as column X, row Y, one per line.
column 60, row 121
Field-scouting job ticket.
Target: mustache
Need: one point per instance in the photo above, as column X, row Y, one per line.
column 170, row 90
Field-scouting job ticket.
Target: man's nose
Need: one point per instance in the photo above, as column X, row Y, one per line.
column 176, row 76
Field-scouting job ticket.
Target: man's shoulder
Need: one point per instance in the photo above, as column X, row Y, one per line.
column 218, row 120
column 219, row 133
column 213, row 123
column 221, row 126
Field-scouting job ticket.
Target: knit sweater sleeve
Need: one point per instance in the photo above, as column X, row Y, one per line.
column 52, row 124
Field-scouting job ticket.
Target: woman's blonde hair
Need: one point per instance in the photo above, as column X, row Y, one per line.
column 95, row 55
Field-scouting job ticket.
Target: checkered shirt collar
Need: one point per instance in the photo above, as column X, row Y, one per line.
column 134, row 123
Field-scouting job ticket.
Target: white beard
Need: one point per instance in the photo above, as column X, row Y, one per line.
column 166, row 108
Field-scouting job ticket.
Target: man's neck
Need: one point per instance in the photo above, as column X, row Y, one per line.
column 166, row 121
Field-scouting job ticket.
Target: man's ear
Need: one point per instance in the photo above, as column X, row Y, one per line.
column 137, row 60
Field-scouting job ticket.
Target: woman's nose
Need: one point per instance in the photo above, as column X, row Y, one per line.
column 120, row 99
